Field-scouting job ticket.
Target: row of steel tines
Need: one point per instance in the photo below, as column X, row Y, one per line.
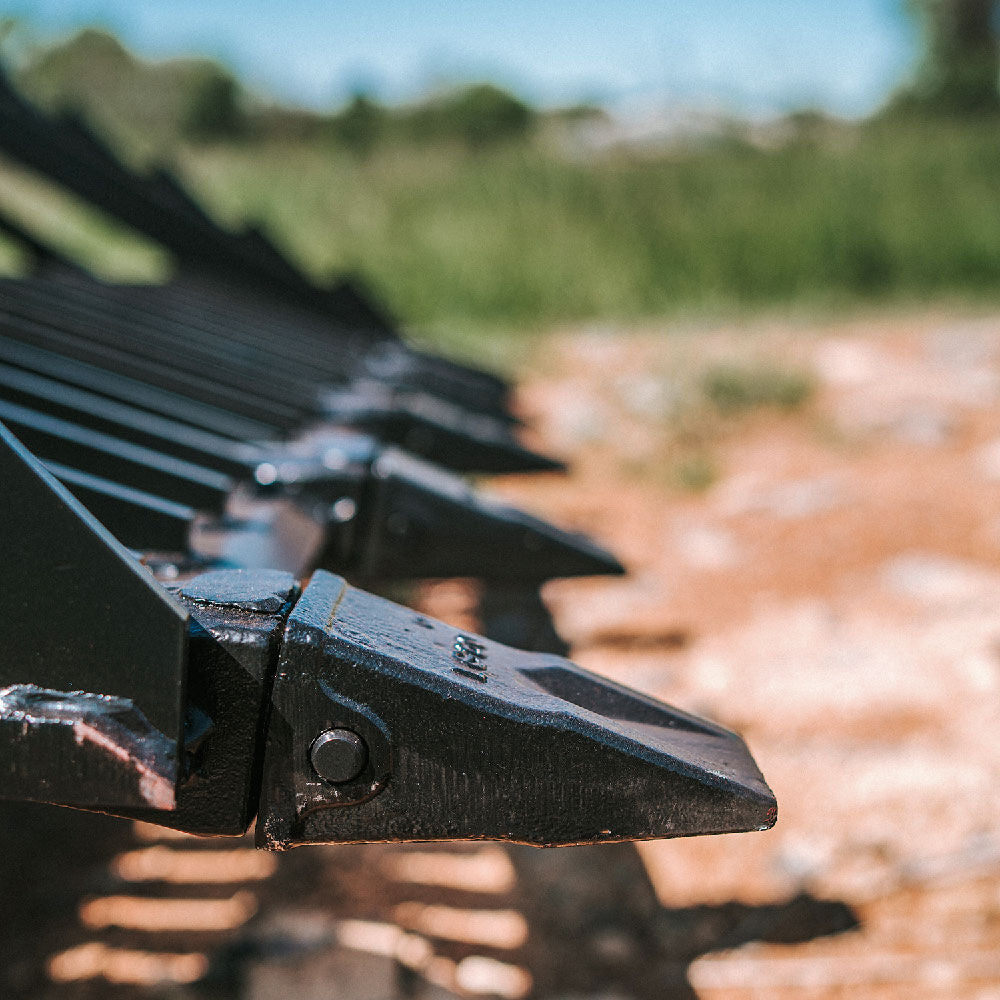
column 156, row 405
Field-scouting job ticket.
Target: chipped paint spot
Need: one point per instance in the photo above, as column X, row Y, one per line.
column 112, row 728
column 157, row 790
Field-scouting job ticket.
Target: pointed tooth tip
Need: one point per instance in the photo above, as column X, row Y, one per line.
column 544, row 463
column 753, row 812
column 601, row 565
column 514, row 458
column 760, row 806
column 754, row 807
column 582, row 557
column 613, row 567
column 739, row 814
column 770, row 819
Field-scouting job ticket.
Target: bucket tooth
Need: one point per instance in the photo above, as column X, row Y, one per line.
column 427, row 522
column 393, row 364
column 390, row 516
column 436, row 430
column 448, row 735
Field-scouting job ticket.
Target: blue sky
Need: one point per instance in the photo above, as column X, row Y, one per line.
column 747, row 55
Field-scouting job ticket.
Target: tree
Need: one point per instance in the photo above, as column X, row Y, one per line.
column 360, row 125
column 959, row 72
column 214, row 106
column 485, row 114
column 478, row 115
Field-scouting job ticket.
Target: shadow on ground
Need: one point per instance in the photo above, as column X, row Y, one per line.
column 598, row 930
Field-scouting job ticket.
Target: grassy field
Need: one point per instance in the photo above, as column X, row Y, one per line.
column 464, row 243
column 523, row 237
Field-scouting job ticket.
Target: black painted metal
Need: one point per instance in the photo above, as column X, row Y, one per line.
column 516, row 615
column 387, row 516
column 417, row 371
column 234, row 458
column 200, row 387
column 421, row 521
column 348, row 302
column 157, row 336
column 337, row 716
column 88, row 313
column 199, row 384
column 469, row 739
column 55, row 440
column 452, row 736
column 83, row 749
column 332, row 350
column 87, row 168
column 67, row 151
column 237, row 623
column 114, row 385
column 392, row 517
column 338, row 756
column 192, row 312
column 137, row 519
column 435, row 429
column 81, row 615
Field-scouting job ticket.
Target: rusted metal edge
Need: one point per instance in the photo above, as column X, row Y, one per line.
column 99, row 742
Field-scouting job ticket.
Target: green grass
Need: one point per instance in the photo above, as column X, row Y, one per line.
column 523, row 236
column 734, row 389
column 694, row 473
column 70, row 226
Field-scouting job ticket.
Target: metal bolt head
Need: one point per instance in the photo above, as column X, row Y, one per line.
column 338, row 755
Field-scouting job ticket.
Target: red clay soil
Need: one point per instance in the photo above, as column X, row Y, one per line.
column 834, row 595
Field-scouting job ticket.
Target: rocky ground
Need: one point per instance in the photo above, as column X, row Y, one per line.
column 833, row 594
column 809, row 517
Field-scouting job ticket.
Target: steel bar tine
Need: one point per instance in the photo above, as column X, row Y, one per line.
column 353, row 303
column 140, row 520
column 158, row 205
column 436, row 430
column 350, row 301
column 93, row 654
column 144, row 395
column 332, row 350
column 140, row 427
column 163, row 183
column 389, row 726
column 102, row 455
column 191, row 384
column 426, row 522
column 44, row 143
column 391, row 516
column 488, row 381
column 253, row 240
column 392, row 364
column 101, row 324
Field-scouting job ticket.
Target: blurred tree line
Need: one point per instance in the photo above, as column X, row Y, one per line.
column 199, row 101
column 155, row 105
column 471, row 206
column 958, row 73
column 477, row 116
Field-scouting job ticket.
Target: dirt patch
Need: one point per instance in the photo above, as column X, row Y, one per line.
column 837, row 588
